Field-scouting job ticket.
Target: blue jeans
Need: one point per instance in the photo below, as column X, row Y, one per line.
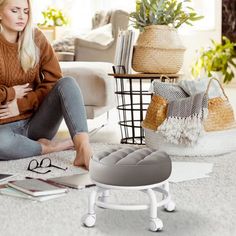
column 18, row 139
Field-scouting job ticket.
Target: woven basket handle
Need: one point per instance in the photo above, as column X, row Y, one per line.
column 208, row 87
column 164, row 77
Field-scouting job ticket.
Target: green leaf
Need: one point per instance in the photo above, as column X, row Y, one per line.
column 54, row 17
column 219, row 57
column 166, row 12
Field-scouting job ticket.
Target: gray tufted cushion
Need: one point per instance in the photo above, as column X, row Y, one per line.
column 130, row 166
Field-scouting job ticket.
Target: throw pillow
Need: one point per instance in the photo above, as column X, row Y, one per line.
column 101, row 35
column 101, row 18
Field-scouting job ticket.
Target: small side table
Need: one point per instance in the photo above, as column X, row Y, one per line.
column 133, row 100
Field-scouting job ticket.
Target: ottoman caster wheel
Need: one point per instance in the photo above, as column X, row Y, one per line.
column 155, row 225
column 89, row 220
column 170, row 206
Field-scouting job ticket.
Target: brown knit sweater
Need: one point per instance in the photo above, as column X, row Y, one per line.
column 41, row 78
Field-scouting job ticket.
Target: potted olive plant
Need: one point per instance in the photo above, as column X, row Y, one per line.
column 159, row 48
column 219, row 58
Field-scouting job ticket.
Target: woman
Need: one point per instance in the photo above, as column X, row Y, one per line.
column 33, row 96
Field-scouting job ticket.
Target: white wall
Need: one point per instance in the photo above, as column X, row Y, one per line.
column 128, row 5
column 195, row 39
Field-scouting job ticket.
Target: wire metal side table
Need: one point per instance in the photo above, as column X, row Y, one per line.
column 133, row 98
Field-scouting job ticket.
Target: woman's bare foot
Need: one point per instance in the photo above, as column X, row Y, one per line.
column 83, row 150
column 49, row 146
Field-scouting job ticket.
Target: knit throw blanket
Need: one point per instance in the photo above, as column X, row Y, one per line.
column 183, row 123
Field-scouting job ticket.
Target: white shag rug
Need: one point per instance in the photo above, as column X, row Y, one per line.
column 205, row 207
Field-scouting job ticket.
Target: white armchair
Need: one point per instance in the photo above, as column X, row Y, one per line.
column 95, row 84
column 87, row 50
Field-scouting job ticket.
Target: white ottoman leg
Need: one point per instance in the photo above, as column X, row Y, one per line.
column 90, row 218
column 103, row 196
column 155, row 224
column 170, row 205
column 105, row 193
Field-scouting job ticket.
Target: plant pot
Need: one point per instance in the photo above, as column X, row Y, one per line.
column 158, row 50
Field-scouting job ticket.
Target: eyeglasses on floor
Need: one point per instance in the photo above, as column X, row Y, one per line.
column 44, row 163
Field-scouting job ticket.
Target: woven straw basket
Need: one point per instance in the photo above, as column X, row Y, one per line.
column 220, row 113
column 158, row 50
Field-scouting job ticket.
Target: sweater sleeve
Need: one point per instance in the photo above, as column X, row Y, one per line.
column 50, row 71
column 6, row 94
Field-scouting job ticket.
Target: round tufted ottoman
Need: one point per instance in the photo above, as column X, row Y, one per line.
column 130, row 168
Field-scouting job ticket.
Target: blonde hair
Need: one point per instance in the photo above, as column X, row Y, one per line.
column 28, row 51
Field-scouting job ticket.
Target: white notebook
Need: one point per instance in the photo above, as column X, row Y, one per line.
column 16, row 193
column 37, row 187
column 78, row 181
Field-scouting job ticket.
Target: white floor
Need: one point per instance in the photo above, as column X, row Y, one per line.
column 111, row 132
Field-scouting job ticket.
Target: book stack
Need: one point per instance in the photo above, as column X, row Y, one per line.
column 124, row 52
column 34, row 189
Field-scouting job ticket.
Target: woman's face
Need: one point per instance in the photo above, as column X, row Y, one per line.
column 14, row 15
